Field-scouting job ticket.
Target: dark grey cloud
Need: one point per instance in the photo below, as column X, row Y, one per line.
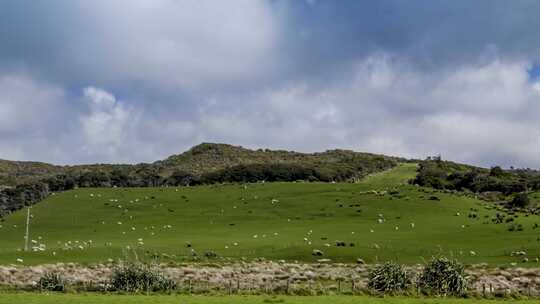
column 430, row 34
column 129, row 81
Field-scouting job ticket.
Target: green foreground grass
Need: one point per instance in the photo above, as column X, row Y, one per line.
column 273, row 220
column 29, row 298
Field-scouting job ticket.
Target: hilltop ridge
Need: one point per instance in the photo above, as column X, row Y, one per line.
column 207, row 157
column 198, row 160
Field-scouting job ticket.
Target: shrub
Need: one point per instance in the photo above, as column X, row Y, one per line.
column 139, row 278
column 389, row 277
column 442, row 276
column 210, row 254
column 520, row 200
column 52, row 281
column 515, row 227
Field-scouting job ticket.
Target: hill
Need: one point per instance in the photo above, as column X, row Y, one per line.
column 14, row 172
column 199, row 160
column 208, row 157
column 30, row 182
column 511, row 187
column 380, row 218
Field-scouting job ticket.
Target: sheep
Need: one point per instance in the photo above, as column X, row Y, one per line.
column 340, row 244
column 317, row 252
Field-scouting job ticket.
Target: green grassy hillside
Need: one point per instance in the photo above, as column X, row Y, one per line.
column 272, row 220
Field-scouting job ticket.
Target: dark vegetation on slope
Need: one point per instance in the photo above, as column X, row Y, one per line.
column 493, row 184
column 14, row 172
column 27, row 183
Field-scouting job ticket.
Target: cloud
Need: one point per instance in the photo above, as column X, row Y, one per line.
column 132, row 81
column 26, row 105
column 187, row 44
column 32, row 115
column 480, row 114
column 107, row 127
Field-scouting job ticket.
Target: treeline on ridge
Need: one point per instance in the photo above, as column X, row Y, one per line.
column 493, row 184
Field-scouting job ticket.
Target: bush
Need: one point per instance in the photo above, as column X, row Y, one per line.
column 52, row 281
column 210, row 254
column 443, row 277
column 139, row 278
column 520, row 200
column 389, row 277
column 515, row 227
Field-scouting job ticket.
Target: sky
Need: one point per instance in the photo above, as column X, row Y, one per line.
column 129, row 81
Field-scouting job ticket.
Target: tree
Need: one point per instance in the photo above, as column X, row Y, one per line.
column 496, row 172
column 182, row 178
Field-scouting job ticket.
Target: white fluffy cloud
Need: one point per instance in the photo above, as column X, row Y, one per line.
column 108, row 125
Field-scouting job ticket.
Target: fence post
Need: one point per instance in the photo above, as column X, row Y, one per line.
column 353, row 287
column 287, row 289
column 339, row 286
column 484, row 290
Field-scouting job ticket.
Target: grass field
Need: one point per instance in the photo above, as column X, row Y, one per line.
column 272, row 220
column 29, row 298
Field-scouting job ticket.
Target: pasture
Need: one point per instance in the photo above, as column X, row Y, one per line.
column 380, row 218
